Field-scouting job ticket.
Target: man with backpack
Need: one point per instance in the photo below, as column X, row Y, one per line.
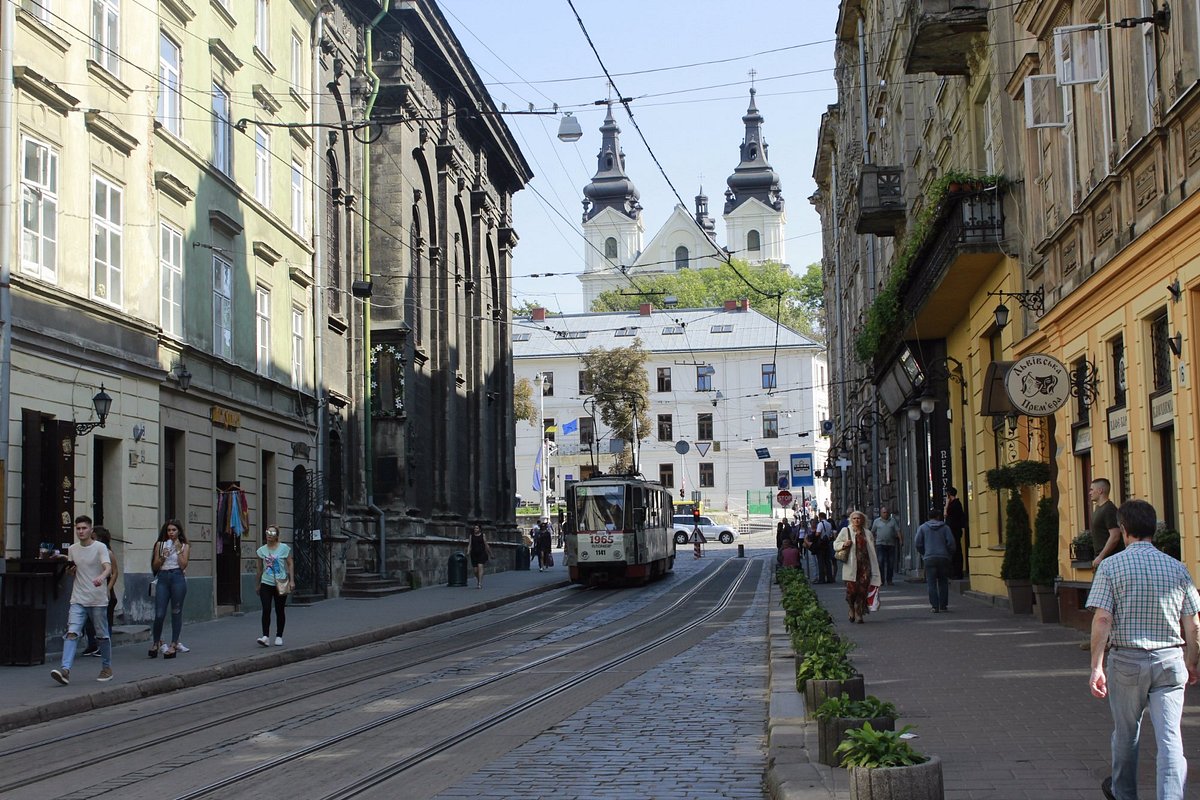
column 823, row 549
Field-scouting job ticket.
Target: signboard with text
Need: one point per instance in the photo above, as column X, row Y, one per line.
column 802, row 469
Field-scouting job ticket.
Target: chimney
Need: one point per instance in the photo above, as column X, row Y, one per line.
column 644, row 309
column 744, row 304
column 731, row 305
column 539, row 314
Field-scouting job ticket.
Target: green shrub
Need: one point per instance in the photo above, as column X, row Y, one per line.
column 844, row 707
column 826, row 662
column 1017, row 546
column 1018, row 474
column 1043, row 561
column 1168, row 542
column 867, row 747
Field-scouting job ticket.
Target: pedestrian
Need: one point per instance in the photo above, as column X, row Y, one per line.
column 101, row 534
column 480, row 552
column 789, row 555
column 542, row 540
column 1144, row 601
column 91, row 565
column 860, row 569
column 1106, row 531
column 935, row 543
column 956, row 519
column 274, row 572
column 783, row 535
column 527, row 541
column 169, row 560
column 889, row 538
column 823, row 549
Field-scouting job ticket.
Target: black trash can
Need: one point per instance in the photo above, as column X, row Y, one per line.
column 456, row 571
column 24, row 598
column 522, row 557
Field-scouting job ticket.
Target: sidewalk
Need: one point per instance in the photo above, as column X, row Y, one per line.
column 225, row 647
column 1002, row 699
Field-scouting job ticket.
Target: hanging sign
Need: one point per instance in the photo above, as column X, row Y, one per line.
column 1038, row 385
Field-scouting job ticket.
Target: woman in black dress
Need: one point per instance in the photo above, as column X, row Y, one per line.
column 480, row 553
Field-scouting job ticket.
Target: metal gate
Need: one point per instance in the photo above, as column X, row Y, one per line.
column 310, row 536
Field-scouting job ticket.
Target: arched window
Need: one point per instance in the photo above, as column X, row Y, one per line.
column 753, row 241
column 681, row 257
column 610, row 248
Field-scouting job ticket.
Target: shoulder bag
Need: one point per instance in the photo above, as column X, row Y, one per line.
column 282, row 585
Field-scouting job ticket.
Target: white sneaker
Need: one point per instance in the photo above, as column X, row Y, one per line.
column 279, row 641
column 264, row 641
column 183, row 648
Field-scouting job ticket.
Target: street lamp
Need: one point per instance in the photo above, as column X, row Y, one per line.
column 543, row 456
column 102, row 403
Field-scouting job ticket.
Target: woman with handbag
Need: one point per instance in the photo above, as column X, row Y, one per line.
column 860, row 566
column 274, row 584
column 169, row 560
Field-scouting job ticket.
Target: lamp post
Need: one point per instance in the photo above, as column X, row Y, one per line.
column 102, row 403
column 543, row 455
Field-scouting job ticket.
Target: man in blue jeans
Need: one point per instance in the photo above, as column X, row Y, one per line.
column 1145, row 608
column 935, row 543
column 91, row 565
column 888, row 538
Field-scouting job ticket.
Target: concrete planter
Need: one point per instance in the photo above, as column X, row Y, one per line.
column 918, row 782
column 816, row 692
column 1046, row 604
column 831, row 732
column 1020, row 596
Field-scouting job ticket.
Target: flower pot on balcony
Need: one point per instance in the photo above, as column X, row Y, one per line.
column 818, row 691
column 917, row 782
column 1045, row 603
column 831, row 732
column 1020, row 596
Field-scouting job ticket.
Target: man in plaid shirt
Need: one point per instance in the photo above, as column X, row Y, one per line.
column 1146, row 609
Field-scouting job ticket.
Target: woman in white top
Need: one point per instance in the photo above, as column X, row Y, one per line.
column 169, row 560
column 274, row 566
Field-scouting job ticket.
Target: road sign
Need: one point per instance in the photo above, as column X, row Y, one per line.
column 784, row 498
column 802, row 469
column 682, row 447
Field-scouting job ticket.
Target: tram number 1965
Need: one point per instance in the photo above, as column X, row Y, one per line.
column 601, row 538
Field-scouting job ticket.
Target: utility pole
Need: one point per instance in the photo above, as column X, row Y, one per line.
column 544, row 455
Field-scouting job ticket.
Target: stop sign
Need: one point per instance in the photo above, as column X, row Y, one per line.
column 784, row 498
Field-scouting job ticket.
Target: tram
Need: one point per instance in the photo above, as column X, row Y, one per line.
column 618, row 530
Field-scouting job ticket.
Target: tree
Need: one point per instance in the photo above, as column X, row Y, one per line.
column 621, row 392
column 523, row 406
column 800, row 305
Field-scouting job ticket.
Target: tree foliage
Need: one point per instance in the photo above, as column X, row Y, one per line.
column 523, row 405
column 525, row 309
column 621, row 393
column 801, row 307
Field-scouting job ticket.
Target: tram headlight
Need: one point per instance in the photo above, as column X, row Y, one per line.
column 618, row 554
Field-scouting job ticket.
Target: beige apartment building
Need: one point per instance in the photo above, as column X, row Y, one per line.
column 1037, row 155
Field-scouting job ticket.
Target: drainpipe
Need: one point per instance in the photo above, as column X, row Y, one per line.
column 871, row 280
column 318, row 240
column 842, row 359
column 7, row 201
column 368, row 447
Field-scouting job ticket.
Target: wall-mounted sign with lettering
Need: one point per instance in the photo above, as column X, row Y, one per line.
column 1038, row 385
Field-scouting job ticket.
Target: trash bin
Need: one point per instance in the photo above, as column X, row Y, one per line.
column 24, row 598
column 456, row 571
column 741, row 551
column 522, row 557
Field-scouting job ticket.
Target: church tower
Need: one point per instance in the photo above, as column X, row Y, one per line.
column 755, row 221
column 612, row 217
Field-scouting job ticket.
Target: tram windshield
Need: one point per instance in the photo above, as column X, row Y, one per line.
column 600, row 508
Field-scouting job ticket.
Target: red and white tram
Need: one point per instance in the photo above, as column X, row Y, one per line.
column 618, row 529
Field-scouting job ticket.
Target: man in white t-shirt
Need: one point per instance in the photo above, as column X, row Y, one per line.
column 91, row 565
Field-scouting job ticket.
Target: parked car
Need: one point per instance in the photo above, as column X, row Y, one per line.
column 684, row 525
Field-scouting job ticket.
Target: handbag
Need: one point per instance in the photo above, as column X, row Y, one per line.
column 550, row 560
column 842, row 554
column 153, row 587
column 873, row 599
column 283, row 585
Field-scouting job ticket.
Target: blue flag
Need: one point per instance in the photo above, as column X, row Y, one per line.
column 568, row 428
column 537, row 471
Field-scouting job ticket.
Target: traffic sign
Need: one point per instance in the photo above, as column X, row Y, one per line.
column 784, row 498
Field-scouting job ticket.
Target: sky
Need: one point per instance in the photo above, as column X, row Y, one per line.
column 534, row 51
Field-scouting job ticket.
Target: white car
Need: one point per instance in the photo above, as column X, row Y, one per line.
column 684, row 525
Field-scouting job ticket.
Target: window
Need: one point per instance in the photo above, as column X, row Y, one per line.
column 38, row 8
column 39, row 209
column 666, row 475
column 1124, row 481
column 297, row 348
column 664, row 379
column 770, row 425
column 1079, row 371
column 721, row 329
column 665, row 428
column 297, row 197
column 222, row 307
column 704, row 375
column 1117, row 351
column 548, row 384
column 222, row 157
column 707, row 476
column 1160, row 352
column 548, row 429
column 520, row 337
column 681, row 257
column 262, row 330
column 768, row 376
column 587, row 430
column 704, row 427
column 626, row 332
column 297, row 49
column 107, row 229
column 585, row 382
column 753, row 241
column 570, row 334
column 610, row 248
column 672, row 330
column 262, row 165
column 106, row 33
column 262, row 26
column 771, row 473
column 169, row 96
column 170, row 259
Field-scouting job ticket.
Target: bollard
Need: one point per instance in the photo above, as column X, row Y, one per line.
column 741, row 551
column 522, row 557
column 456, row 571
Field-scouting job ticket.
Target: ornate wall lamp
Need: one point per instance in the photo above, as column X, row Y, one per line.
column 1034, row 301
column 102, row 403
column 182, row 376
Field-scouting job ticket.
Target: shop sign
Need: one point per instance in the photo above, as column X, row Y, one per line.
column 1162, row 411
column 1038, row 385
column 1083, row 440
column 1118, row 424
column 226, row 418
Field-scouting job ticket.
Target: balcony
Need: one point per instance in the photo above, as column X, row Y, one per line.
column 942, row 34
column 880, row 200
column 964, row 248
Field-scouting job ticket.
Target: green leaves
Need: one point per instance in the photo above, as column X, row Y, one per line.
column 1017, row 545
column 1043, row 562
column 844, row 707
column 867, row 747
column 1018, row 474
column 621, row 391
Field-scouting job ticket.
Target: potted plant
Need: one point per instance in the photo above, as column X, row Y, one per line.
column 825, row 671
column 1168, row 542
column 883, row 766
column 1014, row 570
column 840, row 714
column 1043, row 560
column 1083, row 549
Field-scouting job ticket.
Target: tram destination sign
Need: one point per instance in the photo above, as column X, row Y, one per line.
column 1038, row 385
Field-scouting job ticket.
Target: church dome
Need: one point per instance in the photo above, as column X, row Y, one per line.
column 610, row 186
column 753, row 176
